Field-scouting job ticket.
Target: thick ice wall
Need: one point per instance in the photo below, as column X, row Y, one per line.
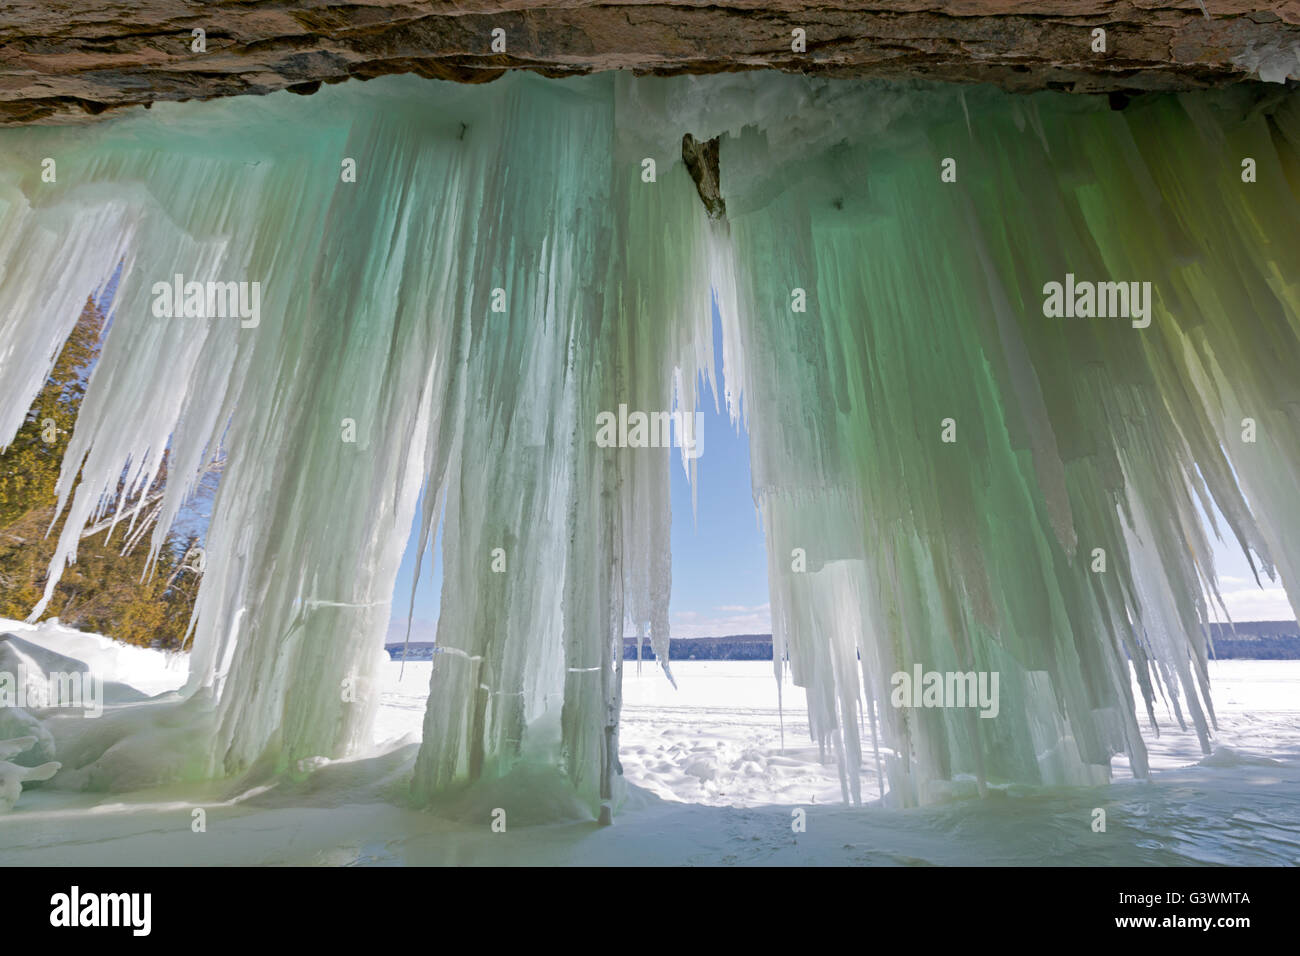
column 458, row 316
column 532, row 640
column 518, row 469
column 385, row 362
column 925, row 308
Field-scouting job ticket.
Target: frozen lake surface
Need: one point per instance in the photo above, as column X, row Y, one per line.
column 711, row 784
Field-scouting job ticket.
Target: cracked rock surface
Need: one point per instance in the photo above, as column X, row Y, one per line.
column 68, row 61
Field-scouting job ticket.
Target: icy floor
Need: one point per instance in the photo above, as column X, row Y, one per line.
column 711, row 786
column 715, row 740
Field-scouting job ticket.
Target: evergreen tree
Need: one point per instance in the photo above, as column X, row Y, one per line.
column 110, row 589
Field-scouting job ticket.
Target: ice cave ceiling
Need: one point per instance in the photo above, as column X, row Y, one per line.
column 68, row 62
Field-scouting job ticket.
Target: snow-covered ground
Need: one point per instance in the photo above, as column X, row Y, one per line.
column 148, row 671
column 715, row 739
column 711, row 784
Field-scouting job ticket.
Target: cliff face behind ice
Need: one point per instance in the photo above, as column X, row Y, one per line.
column 68, row 62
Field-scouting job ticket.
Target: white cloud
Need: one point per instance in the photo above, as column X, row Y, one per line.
column 421, row 631
column 723, row 621
column 1247, row 601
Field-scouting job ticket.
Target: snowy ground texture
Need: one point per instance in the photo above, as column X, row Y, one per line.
column 711, row 785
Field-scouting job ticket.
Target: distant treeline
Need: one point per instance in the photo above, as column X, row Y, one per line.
column 1257, row 640
column 737, row 647
column 1252, row 640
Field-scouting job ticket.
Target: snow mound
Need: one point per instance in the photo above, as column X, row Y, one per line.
column 1227, row 757
column 141, row 736
column 132, row 673
column 529, row 795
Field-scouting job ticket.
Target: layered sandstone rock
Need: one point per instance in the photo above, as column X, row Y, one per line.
column 62, row 61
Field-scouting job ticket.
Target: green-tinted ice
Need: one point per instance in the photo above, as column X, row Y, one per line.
column 948, row 476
